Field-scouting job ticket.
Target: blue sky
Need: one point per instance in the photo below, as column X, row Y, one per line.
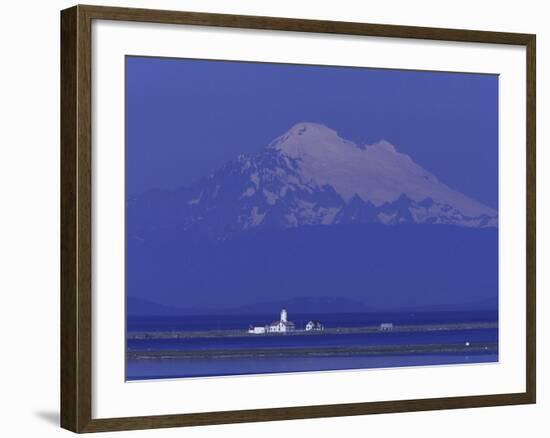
column 185, row 118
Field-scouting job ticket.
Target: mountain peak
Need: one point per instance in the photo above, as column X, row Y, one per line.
column 307, row 139
column 383, row 146
column 310, row 128
column 377, row 172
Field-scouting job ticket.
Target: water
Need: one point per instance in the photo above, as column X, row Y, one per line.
column 323, row 340
column 175, row 368
column 213, row 365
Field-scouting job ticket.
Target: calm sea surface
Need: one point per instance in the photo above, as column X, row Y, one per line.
column 176, row 368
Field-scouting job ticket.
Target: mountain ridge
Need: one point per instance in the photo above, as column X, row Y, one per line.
column 305, row 178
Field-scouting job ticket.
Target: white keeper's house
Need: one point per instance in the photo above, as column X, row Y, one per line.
column 314, row 326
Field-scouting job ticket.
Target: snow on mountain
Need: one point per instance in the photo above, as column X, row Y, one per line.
column 377, row 172
column 308, row 176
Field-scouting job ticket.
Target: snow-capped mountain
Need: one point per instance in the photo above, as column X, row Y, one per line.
column 309, row 176
column 377, row 173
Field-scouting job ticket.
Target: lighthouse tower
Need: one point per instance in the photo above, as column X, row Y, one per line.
column 283, row 316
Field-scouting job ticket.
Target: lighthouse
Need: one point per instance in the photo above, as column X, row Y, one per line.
column 281, row 326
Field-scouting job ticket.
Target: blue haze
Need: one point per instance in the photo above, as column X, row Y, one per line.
column 383, row 267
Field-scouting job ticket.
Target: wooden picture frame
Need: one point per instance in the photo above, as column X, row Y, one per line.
column 76, row 217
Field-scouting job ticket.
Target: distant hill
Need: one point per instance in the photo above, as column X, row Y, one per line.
column 141, row 307
column 307, row 305
column 488, row 304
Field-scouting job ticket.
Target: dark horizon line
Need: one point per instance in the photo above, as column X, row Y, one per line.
column 182, row 311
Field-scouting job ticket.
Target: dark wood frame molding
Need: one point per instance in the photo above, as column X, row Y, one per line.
column 76, row 237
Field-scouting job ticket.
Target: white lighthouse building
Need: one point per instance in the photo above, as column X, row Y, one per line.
column 281, row 326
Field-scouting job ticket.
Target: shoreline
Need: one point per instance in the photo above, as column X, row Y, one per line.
column 335, row 330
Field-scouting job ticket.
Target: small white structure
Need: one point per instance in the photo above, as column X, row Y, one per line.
column 256, row 330
column 281, row 326
column 314, row 325
column 386, row 327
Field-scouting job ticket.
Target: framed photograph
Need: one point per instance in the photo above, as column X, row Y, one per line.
column 270, row 218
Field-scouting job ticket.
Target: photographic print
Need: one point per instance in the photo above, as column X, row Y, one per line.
column 286, row 218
